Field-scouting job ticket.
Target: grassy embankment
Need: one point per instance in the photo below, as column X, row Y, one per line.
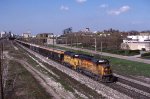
column 122, row 66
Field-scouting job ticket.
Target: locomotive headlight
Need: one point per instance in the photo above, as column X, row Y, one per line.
column 106, row 70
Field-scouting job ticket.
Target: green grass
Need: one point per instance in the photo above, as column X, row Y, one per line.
column 129, row 67
column 146, row 55
column 122, row 52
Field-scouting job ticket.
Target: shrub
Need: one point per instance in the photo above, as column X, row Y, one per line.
column 145, row 54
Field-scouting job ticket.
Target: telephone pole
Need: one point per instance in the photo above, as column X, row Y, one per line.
column 53, row 41
column 95, row 45
column 101, row 48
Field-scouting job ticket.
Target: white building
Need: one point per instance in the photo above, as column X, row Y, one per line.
column 2, row 34
column 51, row 41
column 137, row 42
column 139, row 38
column 26, row 35
column 86, row 30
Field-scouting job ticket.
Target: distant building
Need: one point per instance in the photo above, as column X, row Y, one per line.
column 26, row 35
column 51, row 41
column 47, row 38
column 145, row 33
column 44, row 35
column 86, row 30
column 33, row 36
column 137, row 42
column 2, row 34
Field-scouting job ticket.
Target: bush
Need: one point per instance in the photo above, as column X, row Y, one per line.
column 134, row 52
column 143, row 49
column 145, row 54
column 122, row 52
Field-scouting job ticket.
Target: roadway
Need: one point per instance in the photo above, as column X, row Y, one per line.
column 130, row 58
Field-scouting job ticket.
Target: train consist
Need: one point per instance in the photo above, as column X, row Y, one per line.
column 99, row 69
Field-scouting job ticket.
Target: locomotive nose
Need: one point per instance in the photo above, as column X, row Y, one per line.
column 107, row 76
column 107, row 70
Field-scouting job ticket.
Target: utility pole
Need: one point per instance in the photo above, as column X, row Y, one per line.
column 101, row 48
column 149, row 40
column 71, row 42
column 53, row 41
column 126, row 47
column 95, row 44
column 66, row 40
column 1, row 73
column 77, row 40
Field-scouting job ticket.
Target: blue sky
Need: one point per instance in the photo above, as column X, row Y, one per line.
column 40, row 16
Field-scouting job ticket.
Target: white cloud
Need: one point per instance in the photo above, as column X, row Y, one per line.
column 104, row 5
column 65, row 8
column 81, row 1
column 119, row 11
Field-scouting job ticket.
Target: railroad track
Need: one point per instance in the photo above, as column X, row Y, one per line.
column 130, row 90
column 135, row 85
column 127, row 87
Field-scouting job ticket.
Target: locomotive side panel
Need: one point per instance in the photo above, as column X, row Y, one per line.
column 74, row 62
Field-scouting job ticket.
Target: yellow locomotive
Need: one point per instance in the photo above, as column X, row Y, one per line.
column 98, row 69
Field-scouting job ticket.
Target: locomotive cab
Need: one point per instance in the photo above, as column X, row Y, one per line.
column 105, row 70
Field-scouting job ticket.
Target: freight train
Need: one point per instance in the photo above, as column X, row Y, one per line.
column 98, row 69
